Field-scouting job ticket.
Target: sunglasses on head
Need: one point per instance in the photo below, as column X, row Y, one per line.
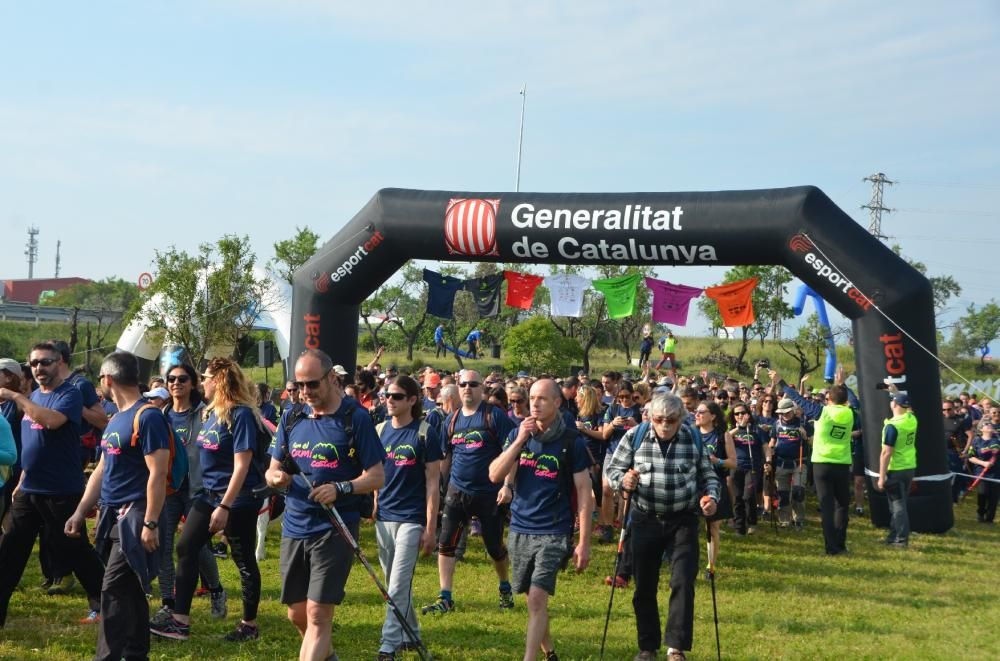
column 44, row 362
column 179, row 378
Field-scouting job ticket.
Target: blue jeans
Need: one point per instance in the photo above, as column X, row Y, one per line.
column 897, row 490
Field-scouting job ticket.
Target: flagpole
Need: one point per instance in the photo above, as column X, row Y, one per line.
column 520, row 140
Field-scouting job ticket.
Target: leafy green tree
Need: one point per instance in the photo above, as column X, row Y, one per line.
column 943, row 286
column 537, row 345
column 207, row 301
column 591, row 326
column 292, row 253
column 769, row 305
column 977, row 328
column 106, row 301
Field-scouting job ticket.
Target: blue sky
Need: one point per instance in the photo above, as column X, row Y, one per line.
column 126, row 127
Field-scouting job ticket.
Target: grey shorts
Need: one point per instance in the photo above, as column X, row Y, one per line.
column 316, row 568
column 536, row 559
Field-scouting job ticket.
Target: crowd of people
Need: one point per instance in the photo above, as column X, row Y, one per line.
column 433, row 457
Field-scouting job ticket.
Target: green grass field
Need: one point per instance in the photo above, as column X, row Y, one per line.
column 779, row 597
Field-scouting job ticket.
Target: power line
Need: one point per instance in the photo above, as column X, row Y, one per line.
column 875, row 206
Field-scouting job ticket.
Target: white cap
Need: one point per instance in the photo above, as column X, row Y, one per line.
column 160, row 393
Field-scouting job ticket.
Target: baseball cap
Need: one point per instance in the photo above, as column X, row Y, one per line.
column 785, row 405
column 432, row 380
column 339, row 369
column 901, row 399
column 157, row 392
column 571, row 382
column 11, row 366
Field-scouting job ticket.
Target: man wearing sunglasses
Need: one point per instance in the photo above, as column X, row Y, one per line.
column 472, row 437
column 672, row 482
column 315, row 563
column 51, row 481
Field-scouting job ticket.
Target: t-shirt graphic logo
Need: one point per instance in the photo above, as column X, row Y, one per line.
column 472, row 440
column 324, row 455
column 111, row 443
column 470, row 227
column 209, row 440
column 547, row 466
column 403, row 455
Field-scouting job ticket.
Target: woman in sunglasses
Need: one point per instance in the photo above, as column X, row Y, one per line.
column 227, row 440
column 184, row 414
column 517, row 397
column 750, row 444
column 406, row 517
column 722, row 455
column 621, row 415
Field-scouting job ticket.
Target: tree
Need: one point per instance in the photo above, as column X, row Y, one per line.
column 589, row 328
column 808, row 346
column 208, row 300
column 769, row 305
column 106, row 302
column 291, row 254
column 536, row 345
column 977, row 329
column 943, row 286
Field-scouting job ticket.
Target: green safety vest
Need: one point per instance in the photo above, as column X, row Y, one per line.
column 669, row 344
column 904, row 453
column 832, row 442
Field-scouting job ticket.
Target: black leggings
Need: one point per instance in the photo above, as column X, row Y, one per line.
column 241, row 531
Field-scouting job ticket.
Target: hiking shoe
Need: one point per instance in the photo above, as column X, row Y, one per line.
column 675, row 655
column 171, row 629
column 161, row 616
column 386, row 656
column 607, row 535
column 242, row 633
column 440, row 606
column 620, row 581
column 93, row 617
column 219, row 550
column 220, row 606
column 62, row 585
column 551, row 656
column 645, row 655
column 506, row 599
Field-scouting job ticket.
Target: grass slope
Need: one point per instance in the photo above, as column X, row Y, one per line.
column 779, row 597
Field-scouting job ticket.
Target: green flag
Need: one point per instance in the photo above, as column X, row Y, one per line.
column 620, row 294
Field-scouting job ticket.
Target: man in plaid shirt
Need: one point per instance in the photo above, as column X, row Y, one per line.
column 671, row 480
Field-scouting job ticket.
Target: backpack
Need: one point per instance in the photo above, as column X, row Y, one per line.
column 421, row 436
column 366, row 501
column 643, row 427
column 178, row 461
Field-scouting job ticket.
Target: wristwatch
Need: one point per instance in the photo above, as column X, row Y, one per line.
column 152, row 525
column 345, row 488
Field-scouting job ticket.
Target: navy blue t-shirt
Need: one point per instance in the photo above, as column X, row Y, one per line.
column 403, row 497
column 541, row 505
column 125, row 470
column 51, row 458
column 595, row 446
column 219, row 442
column 749, row 442
column 615, row 410
column 89, row 395
column 473, row 447
column 322, row 451
column 269, row 412
column 787, row 441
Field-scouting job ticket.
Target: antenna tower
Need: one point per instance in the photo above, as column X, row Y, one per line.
column 875, row 207
column 31, row 250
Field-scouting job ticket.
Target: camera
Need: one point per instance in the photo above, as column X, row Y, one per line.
column 764, row 363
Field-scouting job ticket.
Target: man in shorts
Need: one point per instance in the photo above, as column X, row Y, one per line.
column 315, row 560
column 472, row 436
column 533, row 467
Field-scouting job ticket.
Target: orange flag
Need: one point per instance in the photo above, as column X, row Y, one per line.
column 734, row 300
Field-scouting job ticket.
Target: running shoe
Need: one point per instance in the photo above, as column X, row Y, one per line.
column 171, row 629
column 506, row 599
column 607, row 535
column 620, row 581
column 440, row 606
column 219, row 550
column 161, row 616
column 62, row 585
column 93, row 617
column 242, row 633
column 220, row 606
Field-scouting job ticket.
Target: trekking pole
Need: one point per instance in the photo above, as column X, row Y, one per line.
column 979, row 478
column 614, row 576
column 289, row 466
column 711, row 579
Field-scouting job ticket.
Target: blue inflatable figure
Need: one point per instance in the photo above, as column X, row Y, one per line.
column 824, row 322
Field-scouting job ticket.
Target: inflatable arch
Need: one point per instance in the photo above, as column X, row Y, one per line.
column 799, row 228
